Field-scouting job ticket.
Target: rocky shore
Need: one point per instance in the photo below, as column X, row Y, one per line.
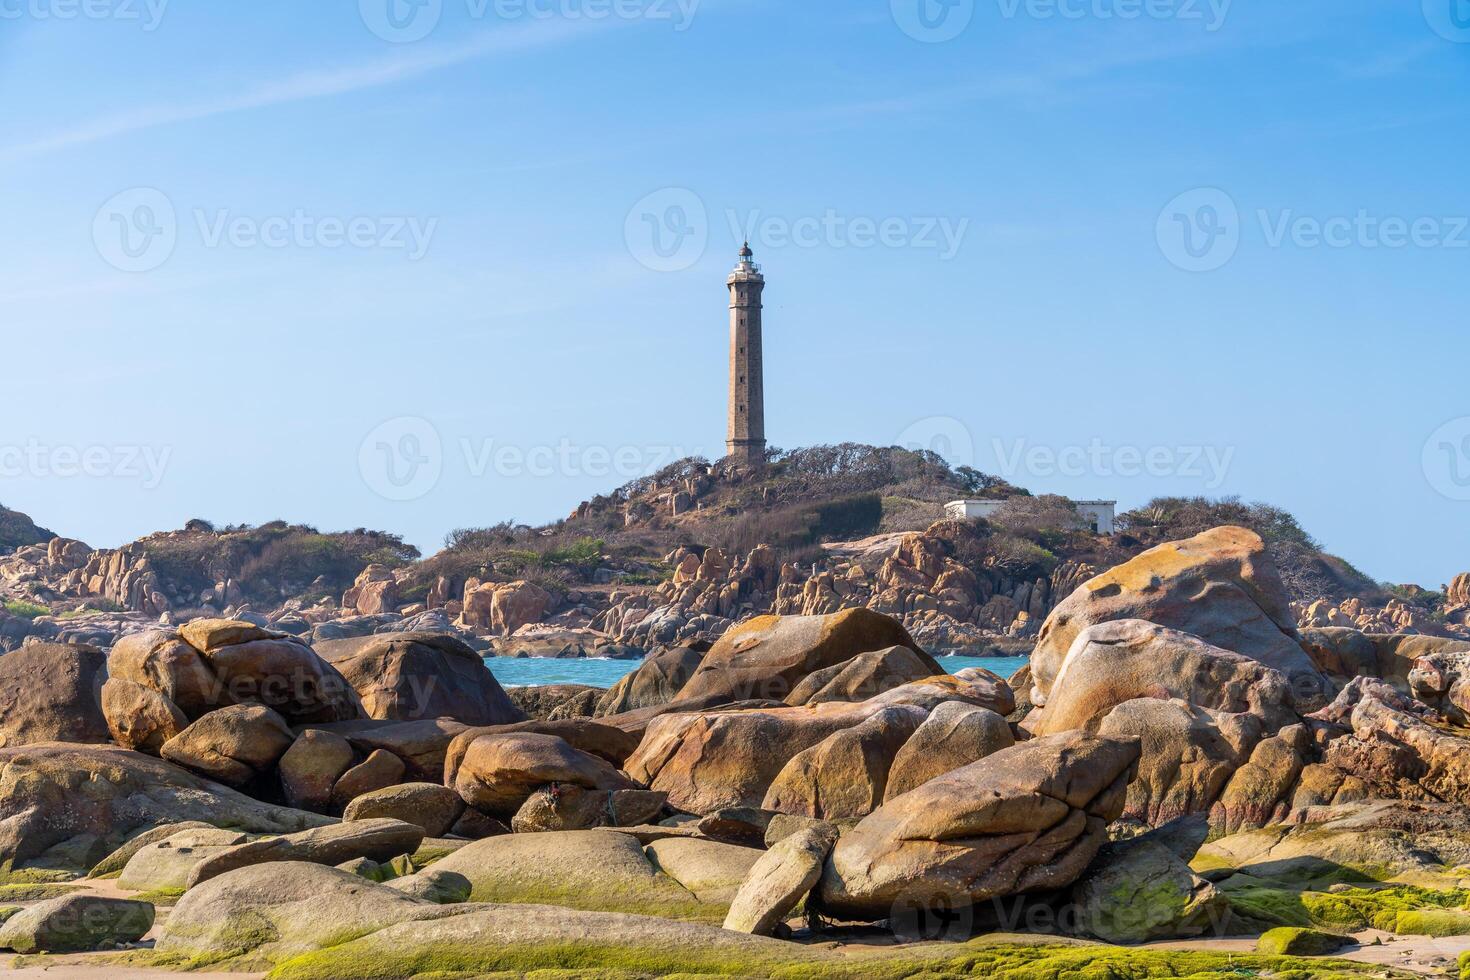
column 1182, row 782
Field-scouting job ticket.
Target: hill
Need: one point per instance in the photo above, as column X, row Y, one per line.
column 17, row 531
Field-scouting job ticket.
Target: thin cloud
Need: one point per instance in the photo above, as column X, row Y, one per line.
column 418, row 60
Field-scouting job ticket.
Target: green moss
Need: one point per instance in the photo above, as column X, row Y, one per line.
column 35, row 893
column 7, row 911
column 1289, row 941
column 1402, row 909
column 573, row 896
column 33, row 876
column 369, row 961
column 1464, row 964
column 160, row 896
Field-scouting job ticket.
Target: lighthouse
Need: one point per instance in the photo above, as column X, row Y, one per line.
column 745, row 439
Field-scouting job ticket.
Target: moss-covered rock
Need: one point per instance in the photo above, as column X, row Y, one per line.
column 1400, row 909
column 1291, row 941
column 76, row 923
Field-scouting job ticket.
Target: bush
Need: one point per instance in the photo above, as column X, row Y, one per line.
column 23, row 609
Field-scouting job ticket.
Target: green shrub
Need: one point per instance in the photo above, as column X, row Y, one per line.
column 23, row 609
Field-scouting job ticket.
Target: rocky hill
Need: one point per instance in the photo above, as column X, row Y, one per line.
column 683, row 554
column 17, row 530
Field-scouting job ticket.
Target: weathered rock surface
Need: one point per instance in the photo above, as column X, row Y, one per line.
column 311, row 767
column 434, row 885
column 570, row 807
column 432, row 807
column 656, row 681
column 846, row 774
column 140, row 718
column 1140, row 890
column 709, row 761
column 376, row 840
column 76, row 924
column 1220, row 585
column 713, row 872
column 53, row 794
column 1121, row 660
column 596, row 870
column 766, row 657
column 166, row 865
column 1188, row 754
column 1027, row 818
column 779, row 880
column 51, row 692
column 416, row 676
column 500, row 772
column 162, row 661
column 279, row 671
column 380, row 770
column 955, row 734
column 421, row 745
column 234, row 745
column 865, row 676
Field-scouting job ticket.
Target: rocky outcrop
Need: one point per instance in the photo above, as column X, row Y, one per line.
column 845, row 775
column 498, row 773
column 954, row 735
column 52, row 693
column 1027, row 818
column 768, row 656
column 43, row 805
column 505, row 607
column 1120, row 660
column 414, row 676
column 1220, row 586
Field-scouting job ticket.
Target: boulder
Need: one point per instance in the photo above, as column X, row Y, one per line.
column 281, row 672
column 524, row 939
column 166, row 865
column 500, row 772
column 1220, row 585
column 1028, row 818
column 376, row 840
column 845, row 775
column 708, row 761
column 779, row 880
column 421, row 745
column 1124, row 659
column 312, row 766
column 430, row 806
column 1294, row 941
column 434, row 885
column 234, row 745
column 973, row 685
column 379, row 770
column 1188, row 754
column 1399, row 747
column 767, row 656
column 955, row 734
column 52, row 692
column 597, row 870
column 540, row 702
column 416, row 676
column 656, row 681
column 278, row 910
column 612, row 745
column 54, row 794
column 118, row 859
column 162, row 661
column 713, row 872
column 1260, row 791
column 741, row 825
column 76, row 924
column 1138, row 891
column 140, row 718
column 570, row 807
column 865, row 676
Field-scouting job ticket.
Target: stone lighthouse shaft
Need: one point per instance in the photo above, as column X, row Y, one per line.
column 745, row 438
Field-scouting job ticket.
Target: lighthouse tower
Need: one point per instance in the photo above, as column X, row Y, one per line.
column 745, row 439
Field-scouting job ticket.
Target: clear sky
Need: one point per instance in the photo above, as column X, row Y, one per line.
column 449, row 262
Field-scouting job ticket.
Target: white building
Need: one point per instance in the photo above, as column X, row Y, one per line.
column 1098, row 513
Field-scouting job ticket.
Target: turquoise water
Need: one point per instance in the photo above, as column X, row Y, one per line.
column 605, row 673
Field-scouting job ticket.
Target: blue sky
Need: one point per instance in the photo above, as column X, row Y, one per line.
column 401, row 273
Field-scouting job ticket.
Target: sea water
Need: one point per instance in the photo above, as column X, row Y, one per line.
column 531, row 671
